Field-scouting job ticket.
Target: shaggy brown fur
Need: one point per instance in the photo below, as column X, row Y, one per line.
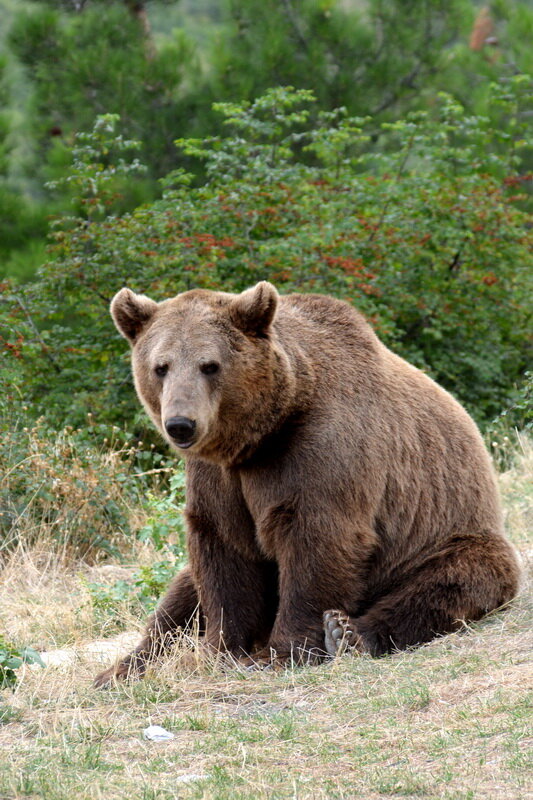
column 324, row 472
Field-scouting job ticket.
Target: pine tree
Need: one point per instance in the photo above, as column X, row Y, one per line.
column 86, row 59
column 371, row 60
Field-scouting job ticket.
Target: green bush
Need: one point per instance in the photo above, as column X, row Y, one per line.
column 427, row 237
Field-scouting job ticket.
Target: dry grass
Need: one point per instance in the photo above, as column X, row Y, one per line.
column 449, row 720
column 517, row 494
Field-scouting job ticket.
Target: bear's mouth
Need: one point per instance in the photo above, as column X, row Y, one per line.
column 183, row 445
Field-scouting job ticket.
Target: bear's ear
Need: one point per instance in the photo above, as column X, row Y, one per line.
column 131, row 312
column 253, row 311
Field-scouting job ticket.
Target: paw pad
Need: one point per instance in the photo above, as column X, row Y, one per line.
column 339, row 634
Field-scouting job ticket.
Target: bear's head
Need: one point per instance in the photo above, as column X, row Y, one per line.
column 208, row 367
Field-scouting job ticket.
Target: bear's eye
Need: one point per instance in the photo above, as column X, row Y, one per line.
column 209, row 368
column 161, row 370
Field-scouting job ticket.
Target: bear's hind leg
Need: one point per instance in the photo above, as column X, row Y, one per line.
column 467, row 579
column 177, row 610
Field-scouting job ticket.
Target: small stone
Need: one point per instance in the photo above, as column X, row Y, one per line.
column 155, row 733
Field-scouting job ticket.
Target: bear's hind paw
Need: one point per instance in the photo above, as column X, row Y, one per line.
column 339, row 634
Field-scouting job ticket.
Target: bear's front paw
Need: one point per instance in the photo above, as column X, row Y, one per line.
column 340, row 635
column 126, row 670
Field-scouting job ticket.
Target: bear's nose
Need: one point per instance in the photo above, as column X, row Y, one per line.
column 181, row 429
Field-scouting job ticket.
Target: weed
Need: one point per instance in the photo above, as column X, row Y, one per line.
column 11, row 659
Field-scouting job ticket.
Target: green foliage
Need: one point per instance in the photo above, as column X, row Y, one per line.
column 11, row 659
column 160, row 66
column 427, row 238
column 97, row 165
column 69, row 62
column 21, row 263
column 20, row 219
column 164, row 527
column 19, row 216
column 4, row 119
column 138, row 596
column 164, row 530
column 496, row 45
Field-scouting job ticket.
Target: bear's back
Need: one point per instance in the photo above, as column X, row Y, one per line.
column 334, row 334
column 376, row 392
column 326, row 313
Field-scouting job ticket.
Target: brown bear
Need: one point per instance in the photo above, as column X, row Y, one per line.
column 336, row 496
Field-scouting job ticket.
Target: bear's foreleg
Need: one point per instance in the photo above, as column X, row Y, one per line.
column 320, row 567
column 238, row 595
column 177, row 610
column 236, row 584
